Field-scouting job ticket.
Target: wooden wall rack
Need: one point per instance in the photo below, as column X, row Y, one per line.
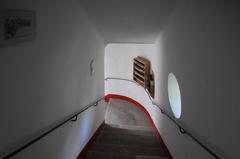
column 142, row 74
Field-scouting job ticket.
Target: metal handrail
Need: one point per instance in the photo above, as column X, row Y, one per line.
column 72, row 118
column 181, row 128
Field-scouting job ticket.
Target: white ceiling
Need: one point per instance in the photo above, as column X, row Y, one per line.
column 129, row 21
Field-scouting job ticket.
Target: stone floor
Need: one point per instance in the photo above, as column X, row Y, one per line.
column 122, row 113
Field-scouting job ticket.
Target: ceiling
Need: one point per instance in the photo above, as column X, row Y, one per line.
column 129, row 21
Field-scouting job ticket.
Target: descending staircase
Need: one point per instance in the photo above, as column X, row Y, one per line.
column 126, row 143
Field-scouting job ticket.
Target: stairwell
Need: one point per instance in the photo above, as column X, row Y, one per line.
column 126, row 135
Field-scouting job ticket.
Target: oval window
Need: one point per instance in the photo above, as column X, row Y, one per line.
column 174, row 95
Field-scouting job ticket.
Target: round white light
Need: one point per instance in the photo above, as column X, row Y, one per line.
column 174, row 95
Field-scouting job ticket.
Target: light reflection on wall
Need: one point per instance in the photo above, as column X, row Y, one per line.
column 85, row 126
column 83, row 130
column 174, row 95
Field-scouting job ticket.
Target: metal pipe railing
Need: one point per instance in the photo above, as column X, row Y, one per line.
column 72, row 118
column 181, row 128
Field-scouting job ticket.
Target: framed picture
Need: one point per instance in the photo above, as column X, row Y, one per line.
column 17, row 26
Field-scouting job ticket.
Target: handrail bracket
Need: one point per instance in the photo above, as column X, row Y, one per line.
column 75, row 118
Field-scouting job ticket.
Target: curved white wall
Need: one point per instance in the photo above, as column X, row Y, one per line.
column 199, row 44
column 119, row 63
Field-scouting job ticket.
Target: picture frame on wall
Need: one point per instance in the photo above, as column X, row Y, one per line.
column 17, row 26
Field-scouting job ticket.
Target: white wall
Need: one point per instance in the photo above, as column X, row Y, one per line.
column 47, row 79
column 119, row 63
column 200, row 45
column 119, row 58
column 134, row 21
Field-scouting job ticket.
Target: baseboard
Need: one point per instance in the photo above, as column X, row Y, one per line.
column 88, row 146
column 154, row 128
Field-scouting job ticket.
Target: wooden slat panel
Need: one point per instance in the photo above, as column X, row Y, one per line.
column 142, row 60
column 139, row 64
column 139, row 77
column 139, row 81
column 142, row 76
column 139, row 70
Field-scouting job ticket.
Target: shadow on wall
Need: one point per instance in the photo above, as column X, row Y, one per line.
column 68, row 140
column 41, row 80
column 135, row 21
column 84, row 129
column 202, row 50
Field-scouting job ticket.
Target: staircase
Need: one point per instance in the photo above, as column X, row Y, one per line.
column 131, row 142
column 127, row 134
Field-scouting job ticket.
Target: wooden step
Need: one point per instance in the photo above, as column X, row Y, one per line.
column 130, row 130
column 130, row 150
column 128, row 141
column 108, row 155
column 118, row 135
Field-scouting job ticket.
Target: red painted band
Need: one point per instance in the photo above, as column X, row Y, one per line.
column 154, row 128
